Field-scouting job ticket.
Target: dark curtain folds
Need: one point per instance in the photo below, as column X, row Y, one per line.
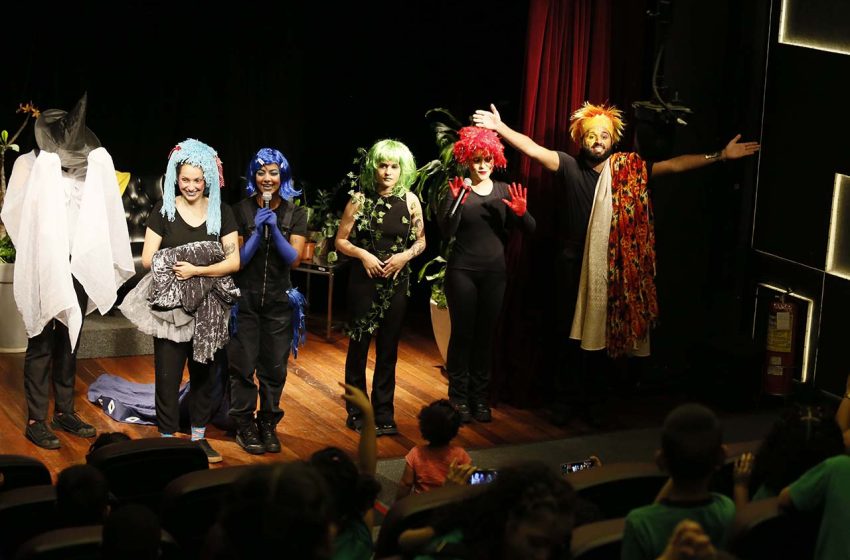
column 567, row 61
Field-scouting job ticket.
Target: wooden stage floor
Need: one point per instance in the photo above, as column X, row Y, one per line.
column 315, row 415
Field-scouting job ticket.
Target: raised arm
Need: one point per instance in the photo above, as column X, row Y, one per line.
column 733, row 150
column 491, row 119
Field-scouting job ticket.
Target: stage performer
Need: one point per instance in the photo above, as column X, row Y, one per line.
column 64, row 214
column 191, row 247
column 272, row 233
column 476, row 272
column 387, row 230
column 605, row 269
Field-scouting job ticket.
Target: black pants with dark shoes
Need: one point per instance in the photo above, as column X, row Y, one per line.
column 49, row 355
column 475, row 302
column 262, row 345
column 361, row 295
column 169, row 360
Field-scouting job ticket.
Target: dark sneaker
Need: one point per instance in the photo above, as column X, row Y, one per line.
column 354, row 423
column 213, row 456
column 268, row 435
column 481, row 413
column 388, row 429
column 40, row 434
column 465, row 413
column 72, row 424
column 249, row 438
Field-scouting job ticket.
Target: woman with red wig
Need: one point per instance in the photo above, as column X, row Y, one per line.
column 479, row 215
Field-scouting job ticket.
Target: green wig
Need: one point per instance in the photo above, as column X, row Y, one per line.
column 388, row 150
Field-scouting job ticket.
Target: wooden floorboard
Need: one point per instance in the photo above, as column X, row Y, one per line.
column 315, row 413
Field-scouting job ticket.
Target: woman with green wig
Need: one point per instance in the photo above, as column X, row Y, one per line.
column 386, row 229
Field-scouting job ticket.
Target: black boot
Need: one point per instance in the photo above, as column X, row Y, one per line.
column 248, row 437
column 268, row 435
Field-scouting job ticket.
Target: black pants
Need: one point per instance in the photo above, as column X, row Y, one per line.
column 49, row 354
column 475, row 302
column 169, row 359
column 581, row 379
column 361, row 295
column 262, row 344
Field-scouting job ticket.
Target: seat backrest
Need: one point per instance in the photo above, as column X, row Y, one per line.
column 763, row 530
column 24, row 513
column 79, row 543
column 417, row 510
column 191, row 504
column 138, row 470
column 21, row 470
column 618, row 488
column 601, row 540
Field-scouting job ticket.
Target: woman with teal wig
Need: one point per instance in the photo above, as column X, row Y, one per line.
column 386, row 229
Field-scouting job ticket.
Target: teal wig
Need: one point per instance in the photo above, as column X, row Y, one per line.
column 266, row 156
column 196, row 154
column 389, row 150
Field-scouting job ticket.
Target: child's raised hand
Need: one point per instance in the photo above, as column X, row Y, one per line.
column 458, row 475
column 356, row 397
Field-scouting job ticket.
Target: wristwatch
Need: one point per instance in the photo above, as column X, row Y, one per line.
column 713, row 155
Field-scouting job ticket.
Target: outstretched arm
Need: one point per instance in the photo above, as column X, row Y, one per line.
column 491, row 119
column 367, row 453
column 733, row 150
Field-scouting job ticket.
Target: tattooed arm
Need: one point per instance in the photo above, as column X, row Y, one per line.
column 397, row 262
column 229, row 265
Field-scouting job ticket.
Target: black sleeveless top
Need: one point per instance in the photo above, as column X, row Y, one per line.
column 383, row 226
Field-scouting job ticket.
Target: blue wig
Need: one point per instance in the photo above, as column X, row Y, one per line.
column 196, row 154
column 267, row 156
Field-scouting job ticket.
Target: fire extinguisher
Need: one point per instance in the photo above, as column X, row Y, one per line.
column 779, row 354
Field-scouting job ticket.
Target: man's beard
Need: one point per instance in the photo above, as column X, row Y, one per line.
column 592, row 158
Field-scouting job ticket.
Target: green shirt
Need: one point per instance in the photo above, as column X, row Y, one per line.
column 827, row 485
column 648, row 528
column 353, row 542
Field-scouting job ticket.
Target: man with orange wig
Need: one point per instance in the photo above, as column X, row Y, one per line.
column 606, row 265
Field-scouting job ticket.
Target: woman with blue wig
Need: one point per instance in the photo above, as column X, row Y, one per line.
column 382, row 228
column 272, row 234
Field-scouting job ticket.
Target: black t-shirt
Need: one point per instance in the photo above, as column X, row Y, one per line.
column 575, row 201
column 178, row 232
column 481, row 228
column 266, row 267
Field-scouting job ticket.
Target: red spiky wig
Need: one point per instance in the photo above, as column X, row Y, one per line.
column 477, row 139
column 589, row 115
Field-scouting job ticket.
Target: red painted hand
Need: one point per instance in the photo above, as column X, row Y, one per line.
column 456, row 185
column 519, row 199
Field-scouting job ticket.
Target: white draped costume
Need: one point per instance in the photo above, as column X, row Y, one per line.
column 64, row 227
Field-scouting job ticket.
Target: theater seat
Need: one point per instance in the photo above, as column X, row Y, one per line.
column 191, row 504
column 20, row 470
column 617, row 488
column 77, row 543
column 24, row 513
column 416, row 510
column 598, row 541
column 763, row 531
column 138, row 470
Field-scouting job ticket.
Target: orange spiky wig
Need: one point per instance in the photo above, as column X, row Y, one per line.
column 476, row 139
column 589, row 116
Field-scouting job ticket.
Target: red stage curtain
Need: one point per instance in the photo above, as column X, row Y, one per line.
column 567, row 62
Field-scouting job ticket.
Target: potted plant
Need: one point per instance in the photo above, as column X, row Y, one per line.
column 432, row 187
column 13, row 336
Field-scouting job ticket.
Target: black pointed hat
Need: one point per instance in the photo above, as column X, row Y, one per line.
column 65, row 134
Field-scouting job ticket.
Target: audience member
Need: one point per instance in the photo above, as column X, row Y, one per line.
column 132, row 532
column 691, row 450
column 283, row 508
column 802, row 437
column 106, row 438
column 526, row 512
column 426, row 466
column 353, row 488
column 82, row 496
column 689, row 542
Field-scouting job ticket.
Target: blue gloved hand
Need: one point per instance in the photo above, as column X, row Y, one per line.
column 262, row 217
